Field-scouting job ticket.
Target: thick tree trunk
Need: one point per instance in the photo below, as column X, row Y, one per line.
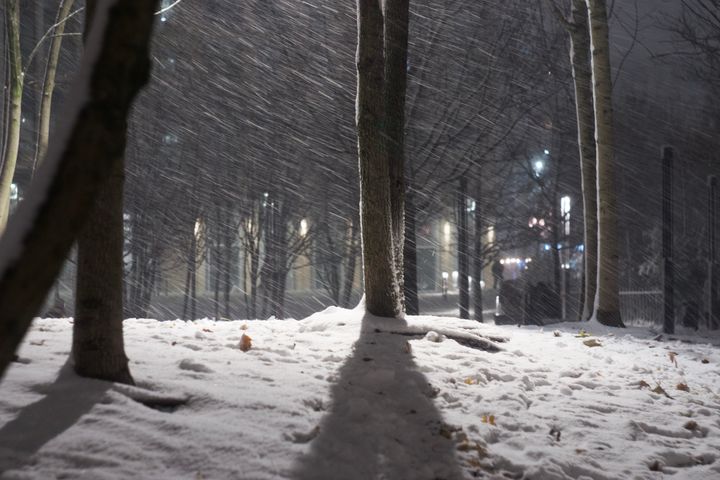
column 78, row 166
column 98, row 349
column 462, row 252
column 607, row 298
column 412, row 303
column 582, row 76
column 48, row 86
column 478, row 256
column 97, row 346
column 396, row 50
column 382, row 295
column 14, row 121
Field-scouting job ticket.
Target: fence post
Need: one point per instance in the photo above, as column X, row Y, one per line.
column 712, row 317
column 667, row 241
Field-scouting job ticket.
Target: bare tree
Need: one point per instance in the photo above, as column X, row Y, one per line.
column 607, row 297
column 382, row 293
column 60, row 201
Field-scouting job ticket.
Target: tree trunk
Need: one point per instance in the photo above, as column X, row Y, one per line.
column 48, row 86
column 77, row 169
column 582, row 76
column 478, row 256
column 97, row 345
column 396, row 50
column 412, row 303
column 462, row 253
column 14, row 122
column 352, row 253
column 382, row 295
column 607, row 298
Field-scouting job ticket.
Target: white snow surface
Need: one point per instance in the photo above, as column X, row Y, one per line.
column 334, row 396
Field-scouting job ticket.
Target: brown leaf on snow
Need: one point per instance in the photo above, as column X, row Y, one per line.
column 683, row 387
column 705, row 360
column 691, row 425
column 673, row 357
column 245, row 343
column 661, row 391
column 592, row 343
column 489, row 419
column 643, row 384
column 207, row 330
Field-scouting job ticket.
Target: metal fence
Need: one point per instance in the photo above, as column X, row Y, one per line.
column 641, row 307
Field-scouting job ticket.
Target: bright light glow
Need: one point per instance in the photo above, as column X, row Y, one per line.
column 482, row 283
column 303, row 227
column 491, row 235
column 565, row 211
column 541, row 222
column 546, row 247
column 446, row 231
column 533, row 221
column 455, row 275
column 197, row 227
column 444, row 275
column 528, row 260
column 539, row 166
column 13, row 191
column 546, row 151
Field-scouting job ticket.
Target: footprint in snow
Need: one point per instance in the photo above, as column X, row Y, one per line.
column 192, row 366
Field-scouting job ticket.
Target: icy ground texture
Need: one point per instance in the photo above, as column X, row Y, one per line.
column 308, row 402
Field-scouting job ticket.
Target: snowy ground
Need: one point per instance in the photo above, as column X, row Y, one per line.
column 304, row 403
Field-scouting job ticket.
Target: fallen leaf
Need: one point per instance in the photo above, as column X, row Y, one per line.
column 38, row 344
column 592, row 343
column 661, row 391
column 582, row 334
column 471, row 381
column 683, row 387
column 490, row 419
column 245, row 343
column 691, row 425
column 673, row 358
column 643, row 384
column 556, row 333
column 555, row 433
column 207, row 330
column 705, row 360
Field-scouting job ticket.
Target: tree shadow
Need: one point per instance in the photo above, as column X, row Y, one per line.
column 381, row 423
column 66, row 400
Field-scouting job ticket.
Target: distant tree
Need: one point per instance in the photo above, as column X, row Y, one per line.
column 13, row 99
column 578, row 30
column 79, row 164
column 57, row 32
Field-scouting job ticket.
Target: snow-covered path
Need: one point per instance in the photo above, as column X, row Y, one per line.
column 308, row 402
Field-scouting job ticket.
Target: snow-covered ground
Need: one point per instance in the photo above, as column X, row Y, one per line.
column 335, row 396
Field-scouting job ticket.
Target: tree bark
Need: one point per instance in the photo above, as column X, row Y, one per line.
column 97, row 345
column 382, row 295
column 397, row 13
column 48, row 86
column 14, row 121
column 77, row 170
column 462, row 253
column 607, row 297
column 582, row 76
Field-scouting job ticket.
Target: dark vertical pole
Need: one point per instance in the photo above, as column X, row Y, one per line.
column 478, row 255
column 463, row 260
column 667, row 241
column 712, row 319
